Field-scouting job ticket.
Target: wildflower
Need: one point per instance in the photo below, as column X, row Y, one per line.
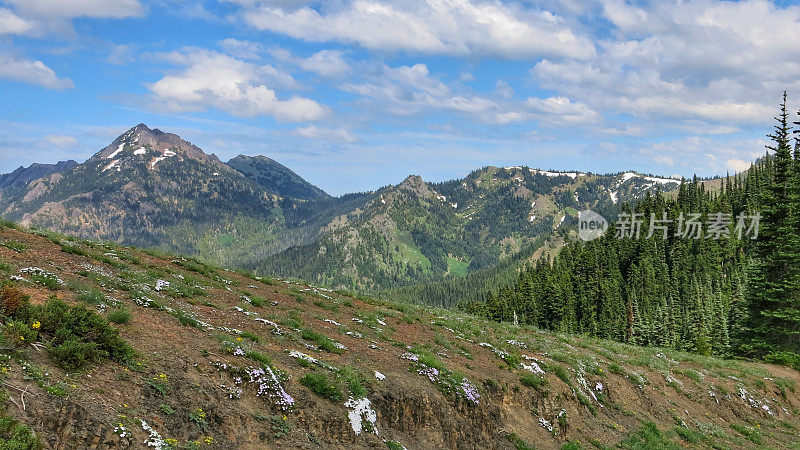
column 36, row 325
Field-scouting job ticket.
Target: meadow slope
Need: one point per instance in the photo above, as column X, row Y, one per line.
column 226, row 360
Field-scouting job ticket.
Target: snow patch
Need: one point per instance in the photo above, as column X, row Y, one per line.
column 573, row 175
column 140, row 151
column 112, row 165
column 169, row 153
column 156, row 160
column 116, row 152
column 379, row 376
column 614, row 196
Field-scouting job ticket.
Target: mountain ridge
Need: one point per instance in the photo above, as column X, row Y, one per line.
column 154, row 189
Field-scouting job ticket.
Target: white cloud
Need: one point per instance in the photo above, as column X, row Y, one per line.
column 11, row 23
column 241, row 49
column 314, row 132
column 326, row 63
column 458, row 27
column 738, row 165
column 32, row 72
column 704, row 61
column 211, row 79
column 61, row 140
column 561, row 110
column 701, row 154
column 70, row 9
column 408, row 90
column 121, row 54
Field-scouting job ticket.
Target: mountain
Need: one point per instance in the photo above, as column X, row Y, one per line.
column 152, row 189
column 423, row 232
column 105, row 346
column 276, row 178
column 24, row 175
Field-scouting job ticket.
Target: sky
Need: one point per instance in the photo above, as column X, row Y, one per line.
column 355, row 95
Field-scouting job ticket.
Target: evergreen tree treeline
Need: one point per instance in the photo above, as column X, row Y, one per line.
column 712, row 296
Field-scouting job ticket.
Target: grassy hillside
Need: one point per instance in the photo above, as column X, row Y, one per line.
column 177, row 354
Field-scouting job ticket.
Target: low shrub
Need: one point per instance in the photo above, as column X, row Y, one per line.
column 120, row 316
column 11, row 299
column 16, row 435
column 79, row 336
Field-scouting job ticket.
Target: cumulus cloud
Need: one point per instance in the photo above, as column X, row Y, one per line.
column 32, row 72
column 702, row 61
column 561, row 110
column 738, row 165
column 213, row 80
column 314, row 132
column 407, row 90
column 462, row 27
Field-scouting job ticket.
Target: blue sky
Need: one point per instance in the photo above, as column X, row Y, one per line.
column 354, row 95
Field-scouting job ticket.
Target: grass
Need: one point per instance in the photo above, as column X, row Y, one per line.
column 196, row 266
column 534, row 381
column 17, row 246
column 92, row 296
column 257, row 301
column 354, row 382
column 185, row 319
column 689, row 435
column 330, row 306
column 322, row 341
column 648, row 437
column 320, row 384
column 259, row 357
column 749, row 432
column 73, row 249
column 519, row 443
column 250, row 336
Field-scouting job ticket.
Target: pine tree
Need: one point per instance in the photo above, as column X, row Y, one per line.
column 773, row 295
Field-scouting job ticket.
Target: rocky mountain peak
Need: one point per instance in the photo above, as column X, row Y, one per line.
column 415, row 184
column 152, row 146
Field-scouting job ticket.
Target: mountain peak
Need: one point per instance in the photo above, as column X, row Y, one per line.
column 141, row 143
column 275, row 177
column 415, row 184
